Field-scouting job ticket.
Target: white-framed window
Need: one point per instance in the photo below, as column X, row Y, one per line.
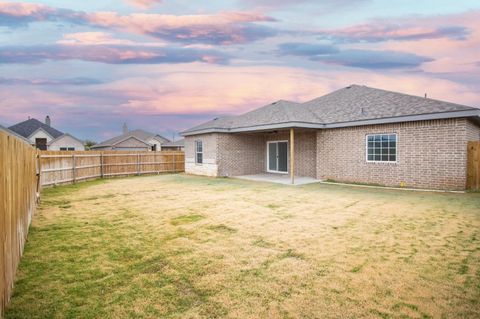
column 381, row 148
column 67, row 148
column 198, row 152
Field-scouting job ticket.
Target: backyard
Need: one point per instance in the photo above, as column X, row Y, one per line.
column 178, row 246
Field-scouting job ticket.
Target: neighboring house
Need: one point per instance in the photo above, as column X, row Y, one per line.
column 174, row 146
column 6, row 130
column 44, row 137
column 137, row 140
column 356, row 134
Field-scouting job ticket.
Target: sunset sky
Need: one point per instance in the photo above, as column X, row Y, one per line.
column 167, row 65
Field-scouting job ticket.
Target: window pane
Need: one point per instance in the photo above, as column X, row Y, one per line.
column 199, row 158
column 382, row 147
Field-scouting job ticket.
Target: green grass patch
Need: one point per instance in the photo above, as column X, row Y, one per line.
column 224, row 229
column 186, row 219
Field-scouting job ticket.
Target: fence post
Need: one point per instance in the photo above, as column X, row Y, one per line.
column 174, row 164
column 39, row 175
column 138, row 164
column 101, row 165
column 74, row 168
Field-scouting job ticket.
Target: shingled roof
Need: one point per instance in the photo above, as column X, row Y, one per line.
column 139, row 134
column 353, row 105
column 28, row 127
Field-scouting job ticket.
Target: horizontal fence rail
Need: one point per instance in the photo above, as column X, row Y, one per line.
column 61, row 167
column 19, row 188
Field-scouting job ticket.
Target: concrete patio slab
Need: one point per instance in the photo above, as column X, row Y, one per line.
column 279, row 179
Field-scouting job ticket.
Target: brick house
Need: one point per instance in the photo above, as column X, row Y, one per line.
column 355, row 134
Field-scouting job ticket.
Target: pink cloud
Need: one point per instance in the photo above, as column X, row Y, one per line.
column 143, row 3
column 412, row 28
column 227, row 89
column 24, row 9
column 450, row 55
column 222, row 28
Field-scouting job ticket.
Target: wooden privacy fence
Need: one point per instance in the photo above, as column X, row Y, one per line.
column 473, row 166
column 60, row 167
column 18, row 194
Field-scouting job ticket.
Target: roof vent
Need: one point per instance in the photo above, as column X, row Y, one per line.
column 215, row 119
column 349, row 87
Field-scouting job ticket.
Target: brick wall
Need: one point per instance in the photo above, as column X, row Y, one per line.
column 473, row 131
column 431, row 154
column 209, row 166
column 241, row 154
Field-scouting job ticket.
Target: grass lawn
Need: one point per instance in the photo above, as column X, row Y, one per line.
column 178, row 246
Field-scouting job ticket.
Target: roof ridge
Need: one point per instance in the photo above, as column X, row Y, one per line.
column 415, row 96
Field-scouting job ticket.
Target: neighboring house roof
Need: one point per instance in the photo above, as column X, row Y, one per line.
column 179, row 143
column 3, row 128
column 353, row 105
column 30, row 126
column 141, row 135
column 65, row 135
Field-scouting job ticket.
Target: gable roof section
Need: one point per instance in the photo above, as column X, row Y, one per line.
column 350, row 106
column 179, row 143
column 141, row 135
column 127, row 142
column 28, row 127
column 65, row 135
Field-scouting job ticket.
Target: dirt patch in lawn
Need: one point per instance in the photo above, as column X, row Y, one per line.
column 191, row 247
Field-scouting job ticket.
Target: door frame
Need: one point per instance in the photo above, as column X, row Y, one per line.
column 268, row 157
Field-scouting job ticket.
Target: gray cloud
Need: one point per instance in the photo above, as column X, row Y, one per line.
column 366, row 59
column 306, row 49
column 49, row 82
column 378, row 32
column 371, row 59
column 111, row 54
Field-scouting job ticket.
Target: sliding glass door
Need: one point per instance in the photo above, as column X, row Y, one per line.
column 277, row 157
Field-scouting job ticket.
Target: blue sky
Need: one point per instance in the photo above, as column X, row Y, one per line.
column 167, row 65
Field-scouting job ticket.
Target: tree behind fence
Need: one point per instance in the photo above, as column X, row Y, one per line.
column 60, row 167
column 18, row 193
